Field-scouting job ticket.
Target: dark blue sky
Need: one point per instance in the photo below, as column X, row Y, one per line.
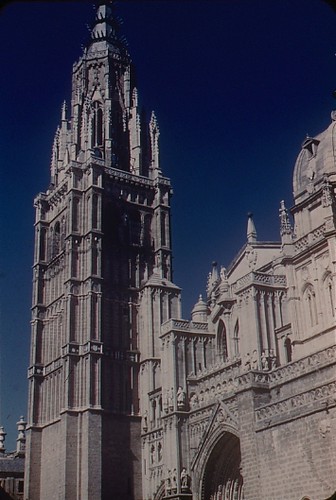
column 236, row 85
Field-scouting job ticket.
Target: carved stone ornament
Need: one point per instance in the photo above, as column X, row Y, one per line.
column 251, row 256
column 324, row 427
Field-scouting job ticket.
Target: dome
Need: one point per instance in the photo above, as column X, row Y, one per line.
column 315, row 161
column 200, row 311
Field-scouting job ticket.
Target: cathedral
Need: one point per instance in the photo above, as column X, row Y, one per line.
column 128, row 400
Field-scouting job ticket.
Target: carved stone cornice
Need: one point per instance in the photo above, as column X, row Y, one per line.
column 318, row 398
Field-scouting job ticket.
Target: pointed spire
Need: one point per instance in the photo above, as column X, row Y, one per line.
column 251, row 230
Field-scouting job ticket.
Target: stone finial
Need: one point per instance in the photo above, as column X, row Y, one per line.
column 135, row 97
column 2, row 439
column 212, row 278
column 285, row 225
column 21, row 439
column 327, row 193
column 64, row 111
column 154, row 133
column 251, row 230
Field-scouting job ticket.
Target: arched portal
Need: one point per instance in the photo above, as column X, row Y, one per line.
column 222, row 478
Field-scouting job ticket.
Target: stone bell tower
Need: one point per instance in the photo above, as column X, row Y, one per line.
column 102, row 231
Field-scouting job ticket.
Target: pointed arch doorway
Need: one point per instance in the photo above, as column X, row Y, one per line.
column 222, row 478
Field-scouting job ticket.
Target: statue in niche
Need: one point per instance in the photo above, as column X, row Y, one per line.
column 185, row 480
column 145, row 422
column 174, row 481
column 223, row 275
column 168, row 483
column 264, row 362
column 272, row 358
column 254, row 361
column 194, row 401
column 180, row 398
column 247, row 362
column 170, row 398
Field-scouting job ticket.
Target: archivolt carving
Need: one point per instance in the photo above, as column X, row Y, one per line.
column 223, row 417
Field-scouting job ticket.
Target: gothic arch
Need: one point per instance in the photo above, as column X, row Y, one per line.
column 160, row 494
column 219, row 467
column 212, row 436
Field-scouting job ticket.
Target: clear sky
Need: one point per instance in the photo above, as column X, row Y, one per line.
column 236, row 86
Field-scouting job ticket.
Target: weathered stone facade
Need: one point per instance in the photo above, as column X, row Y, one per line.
column 127, row 399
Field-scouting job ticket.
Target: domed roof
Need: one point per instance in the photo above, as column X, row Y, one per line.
column 200, row 306
column 316, row 159
column 200, row 310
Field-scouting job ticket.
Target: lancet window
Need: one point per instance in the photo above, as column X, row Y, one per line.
column 288, row 349
column 43, row 238
column 134, row 227
column 56, row 239
column 330, row 294
column 97, row 125
column 222, row 341
column 75, row 214
column 163, row 229
column 236, row 339
column 310, row 300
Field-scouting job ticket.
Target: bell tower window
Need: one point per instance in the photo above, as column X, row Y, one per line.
column 96, row 125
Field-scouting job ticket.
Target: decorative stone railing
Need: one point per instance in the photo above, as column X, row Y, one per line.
column 304, row 242
column 302, row 366
column 305, row 402
column 212, row 384
column 184, row 326
column 296, row 406
column 256, row 278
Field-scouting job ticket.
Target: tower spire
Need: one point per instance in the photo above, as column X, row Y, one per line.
column 106, row 27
